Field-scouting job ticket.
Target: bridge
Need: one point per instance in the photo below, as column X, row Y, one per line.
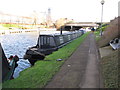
column 77, row 26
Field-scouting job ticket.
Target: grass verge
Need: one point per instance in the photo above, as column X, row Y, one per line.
column 38, row 75
column 97, row 34
column 110, row 67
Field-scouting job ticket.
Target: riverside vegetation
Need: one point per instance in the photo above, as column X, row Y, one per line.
column 38, row 75
column 109, row 64
column 15, row 26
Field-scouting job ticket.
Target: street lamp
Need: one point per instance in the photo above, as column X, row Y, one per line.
column 102, row 2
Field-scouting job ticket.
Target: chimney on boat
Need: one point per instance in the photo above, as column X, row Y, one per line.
column 61, row 30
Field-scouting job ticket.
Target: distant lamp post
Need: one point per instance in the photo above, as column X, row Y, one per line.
column 102, row 2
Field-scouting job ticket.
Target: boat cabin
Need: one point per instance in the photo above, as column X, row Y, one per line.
column 56, row 41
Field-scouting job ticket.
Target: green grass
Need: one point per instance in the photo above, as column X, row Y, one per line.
column 38, row 75
column 104, row 26
column 110, row 67
column 97, row 34
column 13, row 26
column 3, row 28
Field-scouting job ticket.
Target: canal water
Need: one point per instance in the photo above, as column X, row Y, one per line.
column 17, row 44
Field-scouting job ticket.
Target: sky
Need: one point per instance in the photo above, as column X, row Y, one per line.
column 79, row 10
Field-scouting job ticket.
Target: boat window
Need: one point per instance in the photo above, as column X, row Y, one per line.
column 57, row 40
column 73, row 36
column 41, row 40
column 47, row 42
column 65, row 38
column 44, row 40
column 61, row 39
column 69, row 37
column 52, row 42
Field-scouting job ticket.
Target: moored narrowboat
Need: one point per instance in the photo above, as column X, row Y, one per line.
column 49, row 43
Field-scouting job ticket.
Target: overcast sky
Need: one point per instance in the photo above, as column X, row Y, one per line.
column 79, row 10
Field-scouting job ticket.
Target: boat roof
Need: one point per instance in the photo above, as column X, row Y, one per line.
column 58, row 34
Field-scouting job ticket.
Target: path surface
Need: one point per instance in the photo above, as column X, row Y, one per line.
column 81, row 70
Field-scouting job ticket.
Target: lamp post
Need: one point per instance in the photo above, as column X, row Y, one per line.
column 102, row 2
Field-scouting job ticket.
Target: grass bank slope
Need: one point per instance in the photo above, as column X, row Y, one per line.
column 38, row 75
column 109, row 63
column 111, row 32
column 110, row 70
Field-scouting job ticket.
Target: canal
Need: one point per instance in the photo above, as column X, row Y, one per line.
column 17, row 44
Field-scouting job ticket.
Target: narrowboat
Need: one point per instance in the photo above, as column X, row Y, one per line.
column 49, row 43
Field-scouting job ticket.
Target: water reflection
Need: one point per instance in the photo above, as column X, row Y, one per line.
column 16, row 44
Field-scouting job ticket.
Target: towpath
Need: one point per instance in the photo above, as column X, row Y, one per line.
column 81, row 70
